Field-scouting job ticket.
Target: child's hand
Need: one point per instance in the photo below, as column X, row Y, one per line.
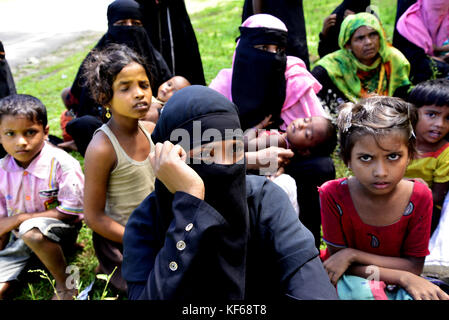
column 422, row 289
column 337, row 264
column 168, row 162
column 264, row 123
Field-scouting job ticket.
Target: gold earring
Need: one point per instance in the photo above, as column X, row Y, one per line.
column 108, row 114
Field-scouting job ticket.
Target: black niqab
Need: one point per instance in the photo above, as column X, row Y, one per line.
column 122, row 10
column 225, row 191
column 258, row 77
column 134, row 37
column 292, row 14
column 168, row 25
column 7, row 86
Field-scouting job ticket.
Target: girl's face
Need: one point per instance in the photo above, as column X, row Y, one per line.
column 22, row 139
column 432, row 126
column 304, row 133
column 365, row 45
column 379, row 166
column 132, row 92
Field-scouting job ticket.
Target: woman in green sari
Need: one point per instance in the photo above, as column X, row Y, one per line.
column 365, row 65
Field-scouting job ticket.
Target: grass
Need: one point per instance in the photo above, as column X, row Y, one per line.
column 216, row 29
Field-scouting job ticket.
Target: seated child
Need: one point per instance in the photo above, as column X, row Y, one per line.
column 431, row 163
column 164, row 92
column 41, row 195
column 376, row 225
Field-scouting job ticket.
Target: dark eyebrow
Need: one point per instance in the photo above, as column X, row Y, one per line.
column 124, row 82
column 364, row 154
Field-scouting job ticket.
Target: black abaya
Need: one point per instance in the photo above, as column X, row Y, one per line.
column 170, row 30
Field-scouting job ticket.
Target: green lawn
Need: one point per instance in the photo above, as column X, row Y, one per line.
column 216, row 29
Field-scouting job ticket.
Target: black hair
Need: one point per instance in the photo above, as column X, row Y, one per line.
column 102, row 67
column 24, row 105
column 430, row 92
column 327, row 146
column 377, row 116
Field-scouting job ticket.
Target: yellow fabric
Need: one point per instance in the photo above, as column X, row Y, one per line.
column 129, row 183
column 431, row 167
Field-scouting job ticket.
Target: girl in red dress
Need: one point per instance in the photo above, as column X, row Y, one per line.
column 375, row 223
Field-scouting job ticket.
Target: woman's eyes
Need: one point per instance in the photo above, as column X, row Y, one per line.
column 431, row 114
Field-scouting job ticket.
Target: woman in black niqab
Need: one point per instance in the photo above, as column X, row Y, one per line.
column 242, row 241
column 133, row 36
column 7, row 85
column 218, row 269
column 292, row 14
column 255, row 68
column 89, row 115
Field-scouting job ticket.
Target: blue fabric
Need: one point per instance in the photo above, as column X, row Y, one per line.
column 351, row 287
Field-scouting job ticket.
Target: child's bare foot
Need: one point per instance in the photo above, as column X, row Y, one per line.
column 65, row 294
column 68, row 145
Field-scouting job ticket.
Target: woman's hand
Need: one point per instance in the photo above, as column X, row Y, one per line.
column 168, row 162
column 329, row 22
column 268, row 160
column 420, row 288
column 337, row 264
column 280, row 171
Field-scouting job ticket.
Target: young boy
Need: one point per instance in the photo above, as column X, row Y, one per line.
column 432, row 160
column 41, row 195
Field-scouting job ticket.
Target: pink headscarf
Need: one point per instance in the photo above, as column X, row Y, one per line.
column 300, row 100
column 425, row 24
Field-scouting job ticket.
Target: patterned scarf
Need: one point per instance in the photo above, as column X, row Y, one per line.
column 356, row 80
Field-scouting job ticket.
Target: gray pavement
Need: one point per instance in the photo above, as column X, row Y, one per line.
column 30, row 29
column 33, row 28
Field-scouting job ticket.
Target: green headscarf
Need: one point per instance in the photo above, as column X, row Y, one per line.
column 342, row 65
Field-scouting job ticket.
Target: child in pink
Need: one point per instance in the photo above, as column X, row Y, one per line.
column 41, row 195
